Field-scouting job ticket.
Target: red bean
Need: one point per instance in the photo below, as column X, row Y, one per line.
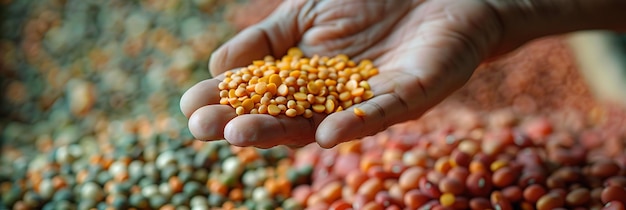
column 372, row 206
column 451, row 185
column 340, row 205
column 370, row 187
column 533, row 192
column 613, row 193
column 555, row 182
column 512, row 193
column 596, row 194
column 458, row 173
column 395, row 169
column 568, row 174
column 393, row 207
column 529, row 157
column 538, row 129
column 413, row 199
column 432, row 204
column 359, row 201
column 301, row 193
column 480, row 203
column 578, row 197
column 604, row 169
column 355, row 178
column 616, row 181
column 550, row 201
column 567, row 156
column 396, row 192
column 461, row 203
column 504, row 177
column 385, row 199
column 500, row 202
column 460, row 159
column 479, row 184
column 531, row 177
column 410, row 178
column 429, row 188
column 521, row 140
column 379, row 172
column 434, row 176
column 614, row 205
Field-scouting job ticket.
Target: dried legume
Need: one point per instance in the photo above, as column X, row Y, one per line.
column 326, row 84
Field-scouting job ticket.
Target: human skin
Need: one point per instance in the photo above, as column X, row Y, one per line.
column 425, row 50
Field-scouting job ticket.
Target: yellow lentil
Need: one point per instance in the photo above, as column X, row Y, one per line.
column 359, row 112
column 297, row 86
column 272, row 109
column 497, row 165
column 447, row 199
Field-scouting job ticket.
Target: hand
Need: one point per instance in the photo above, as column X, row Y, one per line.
column 424, row 50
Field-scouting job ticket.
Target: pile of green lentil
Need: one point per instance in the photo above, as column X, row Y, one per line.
column 90, row 120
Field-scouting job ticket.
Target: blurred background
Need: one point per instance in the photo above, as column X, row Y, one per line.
column 90, row 84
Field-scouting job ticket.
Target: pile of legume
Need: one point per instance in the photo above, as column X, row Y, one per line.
column 295, row 85
column 529, row 166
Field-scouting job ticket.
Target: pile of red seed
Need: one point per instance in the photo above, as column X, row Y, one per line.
column 529, row 166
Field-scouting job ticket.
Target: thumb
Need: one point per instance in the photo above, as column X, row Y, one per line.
column 273, row 36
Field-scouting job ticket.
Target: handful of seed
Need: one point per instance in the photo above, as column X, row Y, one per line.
column 295, row 85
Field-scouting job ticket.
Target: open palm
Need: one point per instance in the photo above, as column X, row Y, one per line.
column 424, row 50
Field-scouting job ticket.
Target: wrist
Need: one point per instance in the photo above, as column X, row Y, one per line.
column 526, row 20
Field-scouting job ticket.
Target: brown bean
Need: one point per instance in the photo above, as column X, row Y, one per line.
column 604, row 169
column 429, row 188
column 434, row 176
column 578, row 197
column 596, row 194
column 360, row 200
column 480, row 203
column 613, row 193
column 568, row 174
column 555, row 182
column 383, row 198
column 409, row 179
column 503, row 177
column 550, row 201
column 379, row 172
column 331, row 192
column 370, row 187
column 512, row 193
column 413, row 199
column 531, row 177
column 533, row 193
column 613, row 205
column 498, row 201
column 616, row 181
column 355, row 178
column 479, row 184
column 432, row 204
column 461, row 203
column 458, row 173
column 372, row 206
column 460, row 159
column 340, row 205
column 451, row 185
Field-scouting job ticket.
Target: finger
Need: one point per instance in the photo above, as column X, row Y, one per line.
column 201, row 94
column 267, row 131
column 208, row 122
column 394, row 102
column 380, row 113
column 280, row 31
